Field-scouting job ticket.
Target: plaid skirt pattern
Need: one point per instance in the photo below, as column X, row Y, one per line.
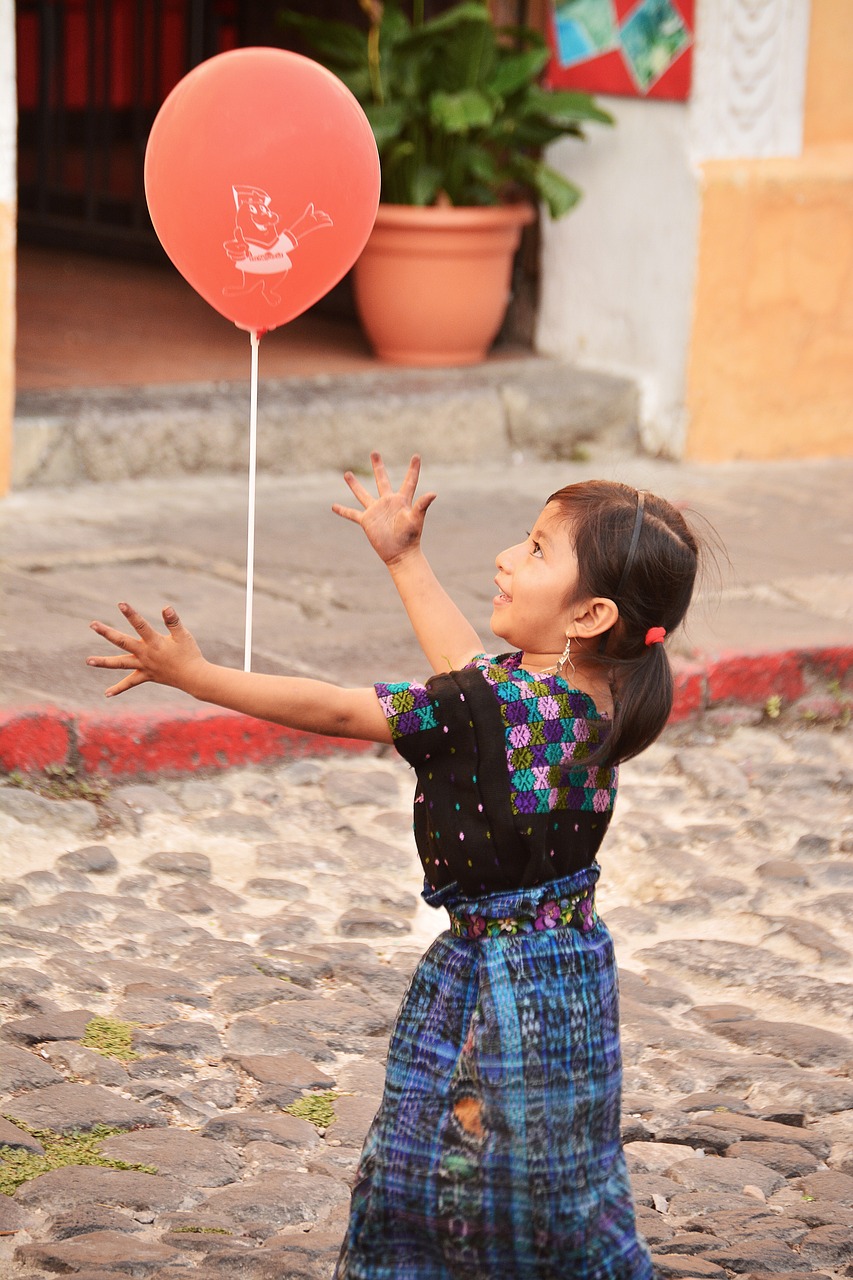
column 496, row 1150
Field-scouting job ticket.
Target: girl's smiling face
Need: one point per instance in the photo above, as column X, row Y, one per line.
column 536, row 580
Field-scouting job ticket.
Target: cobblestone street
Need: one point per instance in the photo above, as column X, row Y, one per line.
column 257, row 929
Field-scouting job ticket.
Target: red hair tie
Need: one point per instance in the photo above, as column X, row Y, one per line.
column 655, row 635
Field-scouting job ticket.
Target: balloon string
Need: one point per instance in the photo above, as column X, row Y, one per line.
column 253, row 465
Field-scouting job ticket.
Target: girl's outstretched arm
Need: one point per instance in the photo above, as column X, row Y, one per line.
column 175, row 660
column 393, row 522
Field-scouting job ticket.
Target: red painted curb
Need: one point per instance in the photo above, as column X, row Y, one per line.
column 835, row 663
column 751, row 679
column 36, row 739
column 33, row 739
column 183, row 743
column 689, row 693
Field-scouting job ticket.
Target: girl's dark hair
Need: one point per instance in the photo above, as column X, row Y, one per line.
column 655, row 592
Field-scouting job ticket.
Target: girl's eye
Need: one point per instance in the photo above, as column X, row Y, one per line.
column 537, row 550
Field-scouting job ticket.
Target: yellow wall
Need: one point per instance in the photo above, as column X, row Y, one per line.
column 829, row 84
column 771, row 365
column 7, row 341
column 771, row 357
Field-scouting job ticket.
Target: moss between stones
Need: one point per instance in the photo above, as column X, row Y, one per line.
column 60, row 782
column 200, row 1231
column 60, row 1151
column 112, row 1038
column 315, row 1107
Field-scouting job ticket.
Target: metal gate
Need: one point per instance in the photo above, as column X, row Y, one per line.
column 91, row 77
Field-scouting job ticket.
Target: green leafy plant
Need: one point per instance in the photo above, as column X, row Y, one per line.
column 60, row 1150
column 455, row 103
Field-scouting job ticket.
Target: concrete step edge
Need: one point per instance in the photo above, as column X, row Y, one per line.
column 536, row 406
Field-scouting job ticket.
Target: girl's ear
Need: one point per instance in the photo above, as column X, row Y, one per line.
column 594, row 617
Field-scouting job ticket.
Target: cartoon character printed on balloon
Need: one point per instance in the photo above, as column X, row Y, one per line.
column 259, row 250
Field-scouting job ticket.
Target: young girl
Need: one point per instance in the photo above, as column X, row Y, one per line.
column 496, row 1150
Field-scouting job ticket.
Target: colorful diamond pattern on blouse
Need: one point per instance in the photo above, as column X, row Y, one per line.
column 550, row 730
column 549, row 733
column 408, row 708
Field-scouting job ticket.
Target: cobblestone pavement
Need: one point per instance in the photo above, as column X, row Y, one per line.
column 258, row 929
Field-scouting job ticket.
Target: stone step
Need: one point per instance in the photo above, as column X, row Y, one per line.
column 534, row 406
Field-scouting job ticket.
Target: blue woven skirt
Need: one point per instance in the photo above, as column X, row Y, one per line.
column 496, row 1151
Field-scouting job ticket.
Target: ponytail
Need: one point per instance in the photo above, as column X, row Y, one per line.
column 643, row 691
column 638, row 550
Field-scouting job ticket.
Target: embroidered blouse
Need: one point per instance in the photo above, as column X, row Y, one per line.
column 503, row 798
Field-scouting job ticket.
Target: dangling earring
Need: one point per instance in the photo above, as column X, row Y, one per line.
column 566, row 656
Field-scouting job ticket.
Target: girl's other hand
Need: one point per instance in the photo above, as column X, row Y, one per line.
column 172, row 659
column 393, row 521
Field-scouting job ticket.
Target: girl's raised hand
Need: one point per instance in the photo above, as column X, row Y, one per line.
column 394, row 520
column 172, row 659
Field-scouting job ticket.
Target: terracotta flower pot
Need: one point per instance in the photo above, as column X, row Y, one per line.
column 432, row 285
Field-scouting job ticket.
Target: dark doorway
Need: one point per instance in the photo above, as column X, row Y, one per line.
column 91, row 77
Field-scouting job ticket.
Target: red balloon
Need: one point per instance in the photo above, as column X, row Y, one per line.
column 262, row 180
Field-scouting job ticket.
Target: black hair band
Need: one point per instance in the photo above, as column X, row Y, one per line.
column 635, row 539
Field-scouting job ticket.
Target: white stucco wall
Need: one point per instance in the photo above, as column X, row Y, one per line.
column 617, row 273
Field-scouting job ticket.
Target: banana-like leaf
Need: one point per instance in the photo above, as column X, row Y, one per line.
column 551, row 187
column 468, row 58
column 561, row 106
column 426, row 185
column 481, row 164
column 559, row 194
column 459, row 112
column 394, row 27
column 450, row 20
column 514, row 71
column 337, row 43
column 532, row 134
column 387, row 120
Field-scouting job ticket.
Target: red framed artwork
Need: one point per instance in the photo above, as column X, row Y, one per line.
column 632, row 48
